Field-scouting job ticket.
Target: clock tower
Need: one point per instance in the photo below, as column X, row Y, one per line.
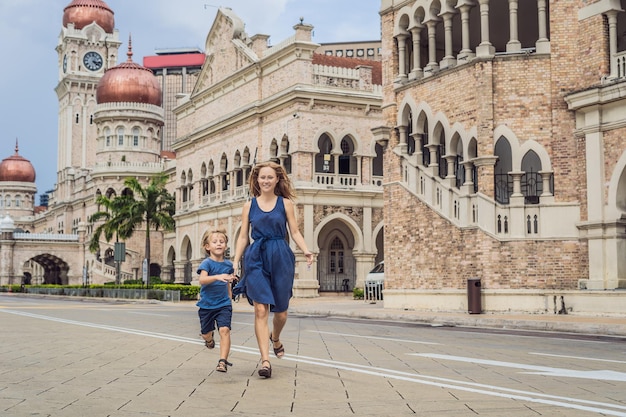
column 88, row 45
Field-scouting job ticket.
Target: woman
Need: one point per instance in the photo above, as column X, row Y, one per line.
column 269, row 263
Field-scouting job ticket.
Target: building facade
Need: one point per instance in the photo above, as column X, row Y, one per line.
column 311, row 113
column 505, row 136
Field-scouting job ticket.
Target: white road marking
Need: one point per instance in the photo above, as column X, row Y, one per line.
column 482, row 389
column 602, row 375
column 582, row 358
column 388, row 339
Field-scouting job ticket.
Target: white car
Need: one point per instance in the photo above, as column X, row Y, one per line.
column 377, row 274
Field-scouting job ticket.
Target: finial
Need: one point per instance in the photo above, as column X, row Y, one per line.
column 301, row 20
column 17, row 148
column 130, row 48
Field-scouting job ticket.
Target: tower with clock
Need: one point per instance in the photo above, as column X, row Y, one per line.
column 88, row 45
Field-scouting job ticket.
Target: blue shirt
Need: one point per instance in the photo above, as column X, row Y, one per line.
column 215, row 295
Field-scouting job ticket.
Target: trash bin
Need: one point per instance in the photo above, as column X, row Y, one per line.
column 473, row 296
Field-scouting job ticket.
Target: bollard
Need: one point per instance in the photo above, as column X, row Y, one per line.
column 473, row 296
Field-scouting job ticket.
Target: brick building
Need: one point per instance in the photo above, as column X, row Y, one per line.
column 504, row 128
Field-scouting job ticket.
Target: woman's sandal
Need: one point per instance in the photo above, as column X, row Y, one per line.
column 280, row 350
column 210, row 344
column 266, row 371
column 222, row 365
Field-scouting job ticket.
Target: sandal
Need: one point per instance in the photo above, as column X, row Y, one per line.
column 278, row 351
column 266, row 371
column 222, row 365
column 210, row 344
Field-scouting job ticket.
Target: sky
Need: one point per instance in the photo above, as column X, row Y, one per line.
column 29, row 32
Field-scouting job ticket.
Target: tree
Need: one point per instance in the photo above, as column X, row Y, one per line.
column 151, row 206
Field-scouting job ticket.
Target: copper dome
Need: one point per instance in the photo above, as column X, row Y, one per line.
column 83, row 12
column 128, row 82
column 16, row 168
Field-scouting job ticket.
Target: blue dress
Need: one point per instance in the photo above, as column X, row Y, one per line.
column 268, row 263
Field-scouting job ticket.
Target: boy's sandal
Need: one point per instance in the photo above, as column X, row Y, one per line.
column 210, row 344
column 280, row 350
column 222, row 365
column 266, row 371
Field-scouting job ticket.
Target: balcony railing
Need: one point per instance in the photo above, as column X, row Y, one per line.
column 45, row 236
column 340, row 180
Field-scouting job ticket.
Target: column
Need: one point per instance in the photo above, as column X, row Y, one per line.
column 434, row 162
column 514, row 44
column 416, row 72
column 485, row 49
column 612, row 18
column 306, row 284
column 448, row 60
column 402, row 76
column 432, row 65
column 451, row 176
column 417, row 152
column 468, row 184
column 543, row 43
column 466, row 54
column 402, row 133
column 517, row 183
column 545, row 180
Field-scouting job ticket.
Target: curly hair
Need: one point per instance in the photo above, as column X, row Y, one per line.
column 283, row 188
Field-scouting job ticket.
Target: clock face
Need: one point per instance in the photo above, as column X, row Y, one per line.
column 64, row 63
column 92, row 61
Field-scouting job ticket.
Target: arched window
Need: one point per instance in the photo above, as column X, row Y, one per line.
column 377, row 162
column 425, row 151
column 531, row 184
column 274, row 151
column 324, row 160
column 107, row 136
column 285, row 157
column 224, row 176
column 190, row 184
column 135, row 136
column 183, row 186
column 503, row 182
column 336, row 257
column 204, row 180
column 347, row 161
column 459, row 169
column 410, row 139
column 120, row 136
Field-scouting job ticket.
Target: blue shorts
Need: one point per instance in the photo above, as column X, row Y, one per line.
column 222, row 316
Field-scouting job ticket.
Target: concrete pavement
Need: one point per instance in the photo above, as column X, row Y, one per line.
column 340, row 305
column 74, row 363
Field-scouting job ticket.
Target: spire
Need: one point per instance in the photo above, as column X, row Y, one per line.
column 130, row 48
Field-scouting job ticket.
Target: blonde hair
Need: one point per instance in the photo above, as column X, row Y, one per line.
column 208, row 235
column 283, row 188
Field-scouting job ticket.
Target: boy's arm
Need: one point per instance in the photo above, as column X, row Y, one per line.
column 205, row 278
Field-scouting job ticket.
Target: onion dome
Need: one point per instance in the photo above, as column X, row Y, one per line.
column 129, row 82
column 83, row 12
column 16, row 168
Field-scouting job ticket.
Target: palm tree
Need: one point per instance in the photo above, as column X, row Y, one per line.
column 152, row 206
